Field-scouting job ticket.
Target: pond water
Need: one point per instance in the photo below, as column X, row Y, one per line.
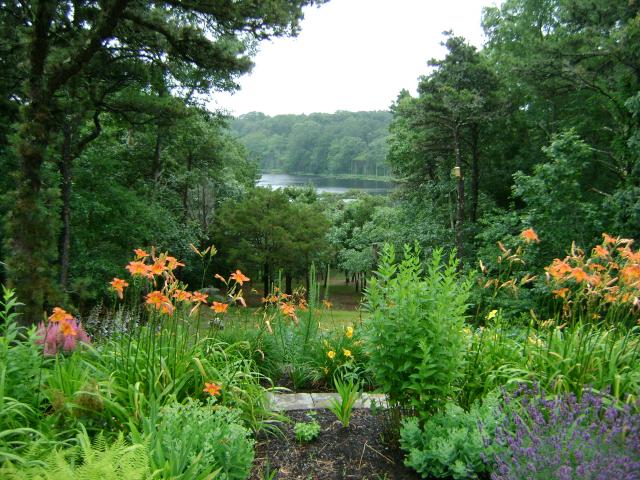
column 325, row 184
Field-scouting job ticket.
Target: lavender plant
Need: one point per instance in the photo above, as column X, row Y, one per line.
column 563, row 438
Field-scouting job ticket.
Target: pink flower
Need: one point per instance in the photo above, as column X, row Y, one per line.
column 53, row 338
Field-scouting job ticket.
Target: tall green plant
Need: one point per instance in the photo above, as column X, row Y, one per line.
column 414, row 333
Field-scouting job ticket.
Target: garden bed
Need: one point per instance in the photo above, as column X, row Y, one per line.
column 356, row 452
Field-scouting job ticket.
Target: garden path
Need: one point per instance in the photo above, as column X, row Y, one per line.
column 312, row 401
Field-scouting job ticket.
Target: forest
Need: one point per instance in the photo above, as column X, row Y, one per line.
column 492, row 297
column 353, row 143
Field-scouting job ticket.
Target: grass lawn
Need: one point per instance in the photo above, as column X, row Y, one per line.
column 251, row 317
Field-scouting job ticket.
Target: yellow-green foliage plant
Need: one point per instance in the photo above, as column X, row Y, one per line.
column 99, row 460
column 414, row 333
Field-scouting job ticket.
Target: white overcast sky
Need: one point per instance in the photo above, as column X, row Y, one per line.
column 352, row 55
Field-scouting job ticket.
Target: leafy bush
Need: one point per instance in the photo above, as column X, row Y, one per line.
column 563, row 438
column 414, row 333
column 191, row 440
column 451, row 443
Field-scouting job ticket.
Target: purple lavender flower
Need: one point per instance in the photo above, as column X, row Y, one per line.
column 566, row 438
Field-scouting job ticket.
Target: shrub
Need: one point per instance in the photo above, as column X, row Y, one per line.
column 414, row 333
column 564, row 438
column 452, row 442
column 192, row 440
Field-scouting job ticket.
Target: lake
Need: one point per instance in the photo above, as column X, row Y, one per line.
column 325, row 184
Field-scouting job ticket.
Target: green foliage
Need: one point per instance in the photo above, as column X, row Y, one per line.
column 266, row 232
column 306, row 432
column 97, row 460
column 349, row 391
column 320, row 143
column 21, row 368
column 547, row 192
column 414, row 334
column 348, row 358
column 197, row 441
column 452, row 443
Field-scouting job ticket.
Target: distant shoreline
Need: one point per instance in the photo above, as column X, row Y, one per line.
column 337, row 176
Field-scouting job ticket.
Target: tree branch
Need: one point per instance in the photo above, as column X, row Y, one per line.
column 104, row 29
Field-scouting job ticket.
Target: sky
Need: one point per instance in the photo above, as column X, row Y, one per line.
column 352, row 55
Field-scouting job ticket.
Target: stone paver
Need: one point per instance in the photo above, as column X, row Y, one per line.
column 309, row 401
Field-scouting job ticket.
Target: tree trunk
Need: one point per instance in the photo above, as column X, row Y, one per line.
column 475, row 172
column 64, row 165
column 288, row 280
column 460, row 195
column 32, row 245
column 185, row 191
column 266, row 279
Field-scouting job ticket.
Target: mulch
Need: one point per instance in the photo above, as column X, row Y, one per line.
column 356, row 452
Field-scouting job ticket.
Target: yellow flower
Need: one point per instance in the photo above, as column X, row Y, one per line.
column 467, row 330
column 492, row 314
column 331, row 354
column 349, row 332
column 346, row 353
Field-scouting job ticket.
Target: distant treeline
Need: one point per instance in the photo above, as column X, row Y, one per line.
column 339, row 143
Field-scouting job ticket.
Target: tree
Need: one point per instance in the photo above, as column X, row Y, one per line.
column 202, row 46
column 431, row 133
column 266, row 232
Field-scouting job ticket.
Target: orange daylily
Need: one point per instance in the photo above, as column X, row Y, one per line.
column 68, row 330
column 561, row 292
column 199, row 297
column 211, row 388
column 558, row 269
column 138, row 268
column 529, row 235
column 167, row 307
column 158, row 267
column 118, row 285
column 219, row 277
column 608, row 239
column 219, row 307
column 173, row 263
column 630, row 274
column 157, row 299
column 140, row 254
column 630, row 254
column 600, row 251
column 579, row 274
column 239, row 277
column 60, row 316
column 289, row 310
column 181, row 295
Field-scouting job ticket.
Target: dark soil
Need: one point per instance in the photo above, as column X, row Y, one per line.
column 356, row 452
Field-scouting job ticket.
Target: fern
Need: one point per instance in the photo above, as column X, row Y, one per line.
column 87, row 461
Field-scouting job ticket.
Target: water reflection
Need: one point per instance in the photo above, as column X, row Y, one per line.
column 324, row 184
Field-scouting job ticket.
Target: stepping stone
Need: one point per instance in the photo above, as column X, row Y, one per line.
column 323, row 400
column 290, row 401
column 310, row 401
